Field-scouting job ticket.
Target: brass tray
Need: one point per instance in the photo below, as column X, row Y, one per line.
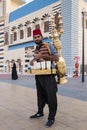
column 42, row 72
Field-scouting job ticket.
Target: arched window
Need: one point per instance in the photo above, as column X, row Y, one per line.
column 46, row 26
column 56, row 20
column 6, row 38
column 37, row 26
column 28, row 31
column 15, row 36
column 11, row 38
column 21, row 34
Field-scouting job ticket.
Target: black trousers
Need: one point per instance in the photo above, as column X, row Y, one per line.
column 46, row 94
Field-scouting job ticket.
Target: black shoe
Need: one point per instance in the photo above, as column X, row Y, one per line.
column 37, row 115
column 50, row 123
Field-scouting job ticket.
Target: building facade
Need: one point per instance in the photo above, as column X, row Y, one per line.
column 20, row 31
column 21, row 22
column 72, row 38
column 6, row 6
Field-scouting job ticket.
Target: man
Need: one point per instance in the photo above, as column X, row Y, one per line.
column 45, row 84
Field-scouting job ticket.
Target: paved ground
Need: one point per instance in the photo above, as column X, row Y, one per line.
column 74, row 88
column 18, row 102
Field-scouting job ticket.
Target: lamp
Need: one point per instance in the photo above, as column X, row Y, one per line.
column 83, row 12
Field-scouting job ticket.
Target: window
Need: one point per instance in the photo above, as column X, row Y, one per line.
column 6, row 38
column 21, row 34
column 37, row 26
column 1, row 41
column 1, row 33
column 28, row 31
column 11, row 38
column 1, row 49
column 1, row 57
column 25, row 65
column 1, row 25
column 15, row 36
column 1, row 66
column 46, row 26
column 56, row 20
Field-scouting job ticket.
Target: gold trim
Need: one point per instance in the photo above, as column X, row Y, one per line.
column 42, row 72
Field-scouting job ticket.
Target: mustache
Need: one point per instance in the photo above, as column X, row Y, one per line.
column 38, row 42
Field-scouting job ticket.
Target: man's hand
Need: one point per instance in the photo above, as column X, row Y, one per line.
column 38, row 56
column 32, row 62
column 44, row 49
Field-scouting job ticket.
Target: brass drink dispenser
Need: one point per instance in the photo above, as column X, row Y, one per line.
column 56, row 34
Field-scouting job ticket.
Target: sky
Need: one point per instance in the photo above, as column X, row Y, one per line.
column 28, row 0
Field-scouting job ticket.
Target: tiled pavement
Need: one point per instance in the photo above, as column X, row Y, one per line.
column 18, row 102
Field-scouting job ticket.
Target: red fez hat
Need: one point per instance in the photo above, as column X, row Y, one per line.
column 37, row 32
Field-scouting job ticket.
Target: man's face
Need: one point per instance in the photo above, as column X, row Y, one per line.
column 37, row 39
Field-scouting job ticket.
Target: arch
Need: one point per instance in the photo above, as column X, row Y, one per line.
column 19, row 62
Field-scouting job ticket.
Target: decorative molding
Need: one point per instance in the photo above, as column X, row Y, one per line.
column 19, row 26
column 35, row 19
column 45, row 16
column 27, row 23
column 13, row 28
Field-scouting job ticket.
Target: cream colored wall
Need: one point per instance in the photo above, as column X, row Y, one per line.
column 9, row 55
column 14, row 54
column 1, row 9
column 12, row 5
